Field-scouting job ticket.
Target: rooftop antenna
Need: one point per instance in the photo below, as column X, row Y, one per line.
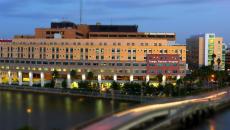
column 81, row 9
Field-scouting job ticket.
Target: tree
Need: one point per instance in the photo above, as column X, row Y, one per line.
column 159, row 78
column 52, row 84
column 73, row 74
column 218, row 62
column 221, row 77
column 55, row 74
column 90, row 75
column 64, row 84
column 169, row 89
column 132, row 88
column 115, row 86
column 179, row 82
column 84, row 85
column 147, row 89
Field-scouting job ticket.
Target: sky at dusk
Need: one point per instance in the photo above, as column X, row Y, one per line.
column 185, row 17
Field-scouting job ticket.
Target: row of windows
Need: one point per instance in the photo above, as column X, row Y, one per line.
column 98, row 50
column 88, row 43
column 161, row 64
column 163, row 71
column 72, row 63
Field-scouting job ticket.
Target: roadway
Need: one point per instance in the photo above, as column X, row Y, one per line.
column 129, row 118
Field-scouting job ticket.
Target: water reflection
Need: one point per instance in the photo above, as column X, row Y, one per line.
column 68, row 105
column 212, row 125
column 51, row 111
column 19, row 102
column 99, row 107
column 41, row 102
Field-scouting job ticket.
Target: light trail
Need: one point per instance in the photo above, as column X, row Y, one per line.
column 124, row 117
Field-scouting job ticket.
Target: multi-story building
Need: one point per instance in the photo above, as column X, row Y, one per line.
column 227, row 60
column 111, row 52
column 201, row 49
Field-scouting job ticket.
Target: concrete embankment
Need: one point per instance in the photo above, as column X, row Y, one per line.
column 89, row 94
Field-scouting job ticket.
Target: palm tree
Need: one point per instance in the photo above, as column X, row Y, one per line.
column 213, row 60
column 218, row 62
column 55, row 75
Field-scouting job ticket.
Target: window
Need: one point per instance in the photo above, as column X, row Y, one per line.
column 167, row 64
column 95, row 64
column 152, row 71
column 161, row 51
column 65, row 63
column 143, row 64
column 51, row 63
column 79, row 63
column 97, row 57
column 174, row 71
column 119, row 64
column 151, row 64
column 102, row 50
column 159, row 71
column 136, row 71
column 72, row 63
column 135, row 64
column 143, row 71
column 160, row 64
column 97, row 50
column 127, row 64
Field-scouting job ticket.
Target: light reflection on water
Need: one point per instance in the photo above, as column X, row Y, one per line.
column 51, row 111
column 212, row 124
column 220, row 121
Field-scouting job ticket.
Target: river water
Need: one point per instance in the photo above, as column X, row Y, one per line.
column 220, row 121
column 51, row 112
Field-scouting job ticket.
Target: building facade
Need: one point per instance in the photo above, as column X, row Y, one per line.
column 201, row 49
column 120, row 55
column 227, row 60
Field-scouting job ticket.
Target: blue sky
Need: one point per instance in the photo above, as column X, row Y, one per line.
column 185, row 17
